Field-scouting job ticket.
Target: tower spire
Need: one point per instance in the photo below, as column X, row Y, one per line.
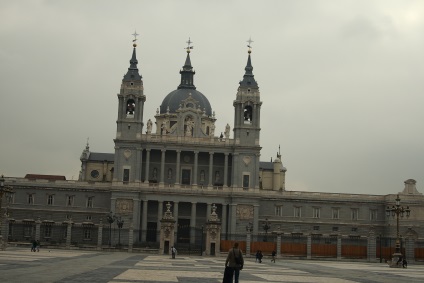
column 248, row 78
column 187, row 73
column 133, row 73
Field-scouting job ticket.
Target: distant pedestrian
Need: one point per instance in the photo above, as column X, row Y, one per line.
column 173, row 251
column 404, row 263
column 257, row 256
column 273, row 256
column 37, row 243
column 260, row 256
column 33, row 245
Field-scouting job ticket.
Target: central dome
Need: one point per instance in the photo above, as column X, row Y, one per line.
column 174, row 99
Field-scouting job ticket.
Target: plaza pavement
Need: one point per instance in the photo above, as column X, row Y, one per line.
column 21, row 265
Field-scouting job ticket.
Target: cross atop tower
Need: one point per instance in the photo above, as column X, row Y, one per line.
column 189, row 42
column 135, row 34
column 250, row 42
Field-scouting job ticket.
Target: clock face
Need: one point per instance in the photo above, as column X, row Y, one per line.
column 95, row 174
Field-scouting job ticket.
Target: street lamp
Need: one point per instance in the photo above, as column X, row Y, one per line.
column 266, row 227
column 110, row 219
column 8, row 193
column 397, row 210
column 120, row 223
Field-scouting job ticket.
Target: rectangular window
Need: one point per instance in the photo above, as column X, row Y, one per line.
column 297, row 211
column 28, row 231
column 87, row 234
column 354, row 229
column 69, row 200
column 50, row 199
column 47, row 231
column 373, row 214
column 88, row 218
column 126, row 175
column 246, row 181
column 278, row 210
column 316, row 212
column 335, row 213
column 335, row 229
column 316, row 228
column 354, row 213
column 31, row 199
column 90, row 202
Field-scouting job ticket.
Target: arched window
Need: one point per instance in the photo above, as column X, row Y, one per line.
column 248, row 113
column 130, row 107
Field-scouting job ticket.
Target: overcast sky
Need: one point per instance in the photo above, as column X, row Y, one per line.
column 341, row 81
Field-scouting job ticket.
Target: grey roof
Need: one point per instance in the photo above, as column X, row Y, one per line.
column 174, row 98
column 186, row 87
column 249, row 78
column 266, row 165
column 132, row 74
column 99, row 156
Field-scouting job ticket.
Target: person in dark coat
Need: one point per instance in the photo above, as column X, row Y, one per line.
column 273, row 256
column 233, row 264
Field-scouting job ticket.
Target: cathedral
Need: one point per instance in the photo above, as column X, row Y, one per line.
column 179, row 163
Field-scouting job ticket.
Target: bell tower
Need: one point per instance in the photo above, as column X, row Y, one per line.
column 247, row 112
column 131, row 102
column 129, row 125
column 247, row 108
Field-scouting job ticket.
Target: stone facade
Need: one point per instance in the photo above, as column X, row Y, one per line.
column 186, row 162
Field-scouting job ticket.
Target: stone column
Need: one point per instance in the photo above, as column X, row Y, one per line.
column 255, row 218
column 176, row 218
column 371, row 250
column 131, row 237
column 309, row 247
column 210, row 169
column 177, row 170
column 37, row 229
column 68, row 234
column 160, row 212
column 235, row 177
column 144, row 221
column 225, row 169
column 233, row 218
column 162, row 167
column 248, row 240
column 410, row 249
column 135, row 222
column 100, row 235
column 138, row 166
column 193, row 222
column 196, row 159
column 278, row 244
column 339, row 247
column 224, row 220
column 256, row 173
column 4, row 237
column 146, row 174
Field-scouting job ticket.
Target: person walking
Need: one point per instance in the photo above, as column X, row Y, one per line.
column 233, row 264
column 260, row 256
column 273, row 256
column 173, row 251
